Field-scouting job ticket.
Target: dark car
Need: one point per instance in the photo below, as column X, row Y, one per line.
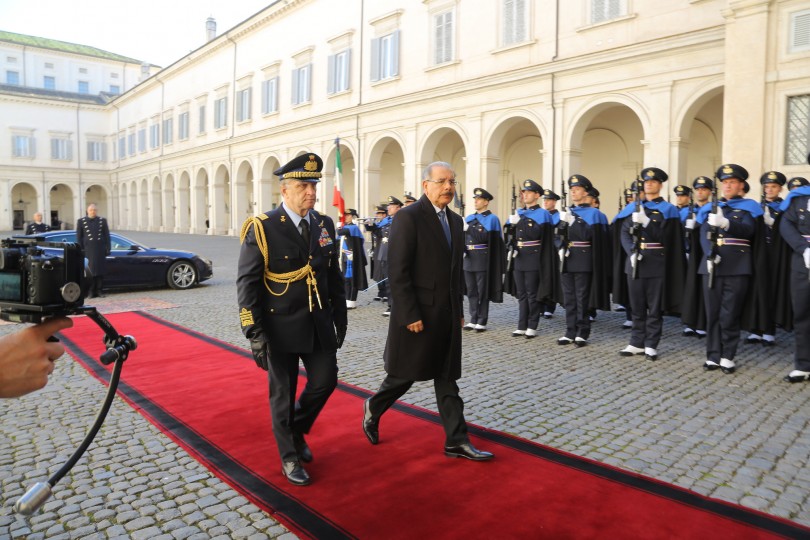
column 132, row 265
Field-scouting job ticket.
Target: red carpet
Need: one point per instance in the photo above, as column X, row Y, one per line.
column 210, row 398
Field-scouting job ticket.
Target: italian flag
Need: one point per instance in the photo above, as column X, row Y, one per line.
column 337, row 196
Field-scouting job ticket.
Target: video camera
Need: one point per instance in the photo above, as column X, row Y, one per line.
column 36, row 281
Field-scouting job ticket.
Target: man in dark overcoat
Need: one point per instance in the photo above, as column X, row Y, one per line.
column 37, row 226
column 424, row 333
column 292, row 306
column 93, row 235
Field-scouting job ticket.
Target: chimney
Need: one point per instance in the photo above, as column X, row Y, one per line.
column 210, row 29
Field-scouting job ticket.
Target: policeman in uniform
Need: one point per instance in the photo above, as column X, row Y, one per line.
column 693, row 314
column 619, row 293
column 550, row 205
column 292, row 305
column 352, row 258
column 484, row 260
column 37, row 226
column 795, row 229
column 585, row 243
column 93, row 235
column 653, row 242
column 728, row 238
column 534, row 245
column 683, row 200
column 383, row 229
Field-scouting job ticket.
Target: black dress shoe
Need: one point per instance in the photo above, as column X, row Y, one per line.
column 467, row 450
column 753, row 340
column 710, row 366
column 370, row 426
column 688, row 332
column 652, row 357
column 728, row 370
column 295, row 473
column 302, row 448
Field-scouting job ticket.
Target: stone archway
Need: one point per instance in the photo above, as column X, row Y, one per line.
column 446, row 144
column 269, row 186
column 61, row 205
column 183, row 212
column 95, row 194
column 23, row 205
column 348, row 183
column 168, row 206
column 245, row 203
column 200, row 203
column 220, row 201
column 385, row 173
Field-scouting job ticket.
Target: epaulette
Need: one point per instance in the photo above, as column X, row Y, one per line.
column 263, row 216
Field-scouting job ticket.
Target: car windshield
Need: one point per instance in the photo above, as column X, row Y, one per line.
column 116, row 240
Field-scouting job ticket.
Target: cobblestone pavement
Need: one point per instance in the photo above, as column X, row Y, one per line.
column 741, row 438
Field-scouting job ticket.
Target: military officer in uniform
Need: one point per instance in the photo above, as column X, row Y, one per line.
column 409, row 200
column 618, row 288
column 373, row 254
column 795, row 229
column 383, row 230
column 484, row 260
column 683, row 200
column 653, row 242
column 37, row 226
column 93, row 235
column 797, row 181
column 583, row 250
column 352, row 258
column 550, row 205
column 292, row 306
column 728, row 238
column 693, row 312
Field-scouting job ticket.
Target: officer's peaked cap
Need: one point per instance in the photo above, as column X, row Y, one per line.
column 773, row 177
column 531, row 185
column 797, row 181
column 703, row 182
column 731, row 170
column 481, row 193
column 683, row 190
column 579, row 180
column 306, row 167
column 394, row 200
column 548, row 194
column 653, row 173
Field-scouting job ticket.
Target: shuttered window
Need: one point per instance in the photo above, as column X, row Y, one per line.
column 604, row 10
column 514, row 22
column 800, row 31
column 798, row 130
column 443, row 38
column 385, row 57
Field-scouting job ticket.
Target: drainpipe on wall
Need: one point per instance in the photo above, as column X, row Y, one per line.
column 553, row 108
column 358, row 162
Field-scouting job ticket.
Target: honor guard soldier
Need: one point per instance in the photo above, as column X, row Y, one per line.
column 550, row 205
column 352, row 258
column 376, row 242
column 93, row 235
column 37, row 226
column 383, row 228
column 683, row 199
column 534, row 258
column 584, row 247
column 484, row 260
column 653, row 242
column 618, row 288
column 292, row 306
column 693, row 312
column 728, row 234
column 797, row 181
column 795, row 229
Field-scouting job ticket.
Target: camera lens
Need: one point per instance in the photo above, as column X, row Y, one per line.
column 10, row 258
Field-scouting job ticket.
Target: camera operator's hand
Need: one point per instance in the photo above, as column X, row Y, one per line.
column 340, row 334
column 26, row 357
column 261, row 351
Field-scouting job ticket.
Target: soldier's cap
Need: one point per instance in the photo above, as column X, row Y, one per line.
column 381, row 209
column 306, row 167
column 773, row 177
column 548, row 194
column 731, row 170
column 410, row 198
column 481, row 193
column 703, row 182
column 653, row 173
column 797, row 181
column 531, row 185
column 593, row 192
column 351, row 212
column 394, row 200
column 579, row 180
column 683, row 190
column 628, row 192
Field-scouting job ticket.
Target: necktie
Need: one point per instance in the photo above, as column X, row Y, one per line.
column 305, row 230
column 445, row 225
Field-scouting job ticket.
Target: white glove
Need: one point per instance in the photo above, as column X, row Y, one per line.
column 563, row 253
column 349, row 256
column 514, row 218
column 719, row 220
column 641, row 217
column 689, row 224
column 466, row 226
column 568, row 217
column 769, row 221
column 806, row 256
column 634, row 258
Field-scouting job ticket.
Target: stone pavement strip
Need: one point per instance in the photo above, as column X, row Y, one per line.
column 741, row 438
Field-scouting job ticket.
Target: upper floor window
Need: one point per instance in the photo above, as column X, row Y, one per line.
column 201, row 123
column 168, row 130
column 385, row 57
column 515, row 17
column 131, row 144
column 122, row 147
column 11, row 59
column 221, row 113
column 443, row 38
column 182, row 126
column 61, row 149
column 243, row 99
column 23, row 146
column 339, row 68
column 301, row 85
column 154, row 136
column 270, row 95
column 115, row 89
column 800, row 31
column 82, row 70
column 797, row 141
column 84, row 87
column 604, row 10
column 13, row 77
column 96, row 151
column 49, row 83
column 142, row 140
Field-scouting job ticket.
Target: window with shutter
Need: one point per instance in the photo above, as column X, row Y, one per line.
column 800, row 31
column 604, row 10
column 797, row 141
column 443, row 37
column 514, row 22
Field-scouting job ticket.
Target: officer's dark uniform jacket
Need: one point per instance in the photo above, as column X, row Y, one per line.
column 381, row 232
column 795, row 229
column 284, row 315
column 734, row 245
column 34, row 228
column 93, row 235
column 579, row 251
column 588, row 250
column 477, row 254
column 530, row 235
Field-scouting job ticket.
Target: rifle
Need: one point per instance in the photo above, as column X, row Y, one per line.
column 621, row 196
column 635, row 232
column 691, row 214
column 562, row 229
column 713, row 258
column 512, row 235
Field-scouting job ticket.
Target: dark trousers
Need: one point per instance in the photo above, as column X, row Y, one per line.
column 800, row 296
column 290, row 416
column 478, row 295
column 576, row 293
column 96, row 286
column 529, row 311
column 724, row 304
column 548, row 307
column 646, row 296
column 449, row 403
column 350, row 288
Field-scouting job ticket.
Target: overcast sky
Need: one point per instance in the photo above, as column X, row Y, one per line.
column 155, row 31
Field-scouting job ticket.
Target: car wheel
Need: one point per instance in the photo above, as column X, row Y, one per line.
column 182, row 275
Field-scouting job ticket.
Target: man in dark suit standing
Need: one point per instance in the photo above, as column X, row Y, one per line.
column 93, row 235
column 292, row 305
column 424, row 333
column 37, row 226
